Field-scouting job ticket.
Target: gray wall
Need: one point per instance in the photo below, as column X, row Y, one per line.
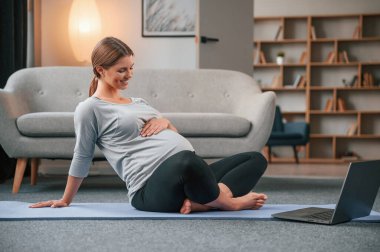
column 230, row 22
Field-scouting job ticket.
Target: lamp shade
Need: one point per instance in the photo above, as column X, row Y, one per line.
column 84, row 28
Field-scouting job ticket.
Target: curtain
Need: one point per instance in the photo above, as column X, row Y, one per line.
column 13, row 46
column 13, row 37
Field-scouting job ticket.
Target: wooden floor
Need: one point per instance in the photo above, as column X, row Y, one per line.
column 307, row 170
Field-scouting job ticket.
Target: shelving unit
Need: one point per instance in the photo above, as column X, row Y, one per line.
column 337, row 48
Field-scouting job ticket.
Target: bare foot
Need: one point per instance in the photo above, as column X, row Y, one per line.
column 261, row 199
column 186, row 207
column 252, row 200
column 189, row 206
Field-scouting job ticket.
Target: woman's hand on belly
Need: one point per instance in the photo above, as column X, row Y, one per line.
column 155, row 126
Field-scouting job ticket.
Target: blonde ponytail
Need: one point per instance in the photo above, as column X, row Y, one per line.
column 93, row 86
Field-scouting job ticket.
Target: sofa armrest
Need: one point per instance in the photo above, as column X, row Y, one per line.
column 259, row 108
column 10, row 109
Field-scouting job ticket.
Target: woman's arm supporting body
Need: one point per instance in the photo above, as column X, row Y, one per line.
column 86, row 134
column 72, row 186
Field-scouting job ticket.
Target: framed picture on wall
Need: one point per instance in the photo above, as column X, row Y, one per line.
column 168, row 18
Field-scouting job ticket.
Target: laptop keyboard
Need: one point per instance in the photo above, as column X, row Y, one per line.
column 326, row 215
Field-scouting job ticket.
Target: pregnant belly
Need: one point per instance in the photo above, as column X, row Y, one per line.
column 166, row 140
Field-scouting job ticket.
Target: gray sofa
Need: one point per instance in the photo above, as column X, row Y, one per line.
column 221, row 112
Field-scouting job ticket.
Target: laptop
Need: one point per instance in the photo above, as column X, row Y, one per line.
column 356, row 199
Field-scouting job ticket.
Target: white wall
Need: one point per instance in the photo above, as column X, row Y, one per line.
column 314, row 7
column 120, row 18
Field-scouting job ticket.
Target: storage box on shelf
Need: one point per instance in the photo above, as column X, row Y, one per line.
column 338, row 58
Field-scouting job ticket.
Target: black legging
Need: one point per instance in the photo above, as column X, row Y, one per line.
column 186, row 175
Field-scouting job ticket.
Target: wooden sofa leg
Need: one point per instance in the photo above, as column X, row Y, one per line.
column 19, row 174
column 34, row 170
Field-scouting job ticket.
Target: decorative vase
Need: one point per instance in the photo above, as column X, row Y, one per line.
column 280, row 60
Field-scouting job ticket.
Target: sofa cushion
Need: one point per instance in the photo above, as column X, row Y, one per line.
column 47, row 124
column 61, row 124
column 209, row 124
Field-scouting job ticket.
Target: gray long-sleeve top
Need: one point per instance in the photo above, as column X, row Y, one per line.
column 115, row 129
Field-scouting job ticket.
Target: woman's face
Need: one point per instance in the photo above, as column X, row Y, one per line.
column 117, row 76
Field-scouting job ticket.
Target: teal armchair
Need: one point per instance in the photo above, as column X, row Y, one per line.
column 287, row 134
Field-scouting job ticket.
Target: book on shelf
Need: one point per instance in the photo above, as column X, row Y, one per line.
column 296, row 80
column 299, row 81
column 312, row 33
column 356, row 33
column 340, row 57
column 256, row 56
column 330, row 57
column 303, row 57
column 368, row 80
column 365, row 80
column 341, row 105
column 352, row 129
column 302, row 82
column 262, row 58
column 328, row 105
column 371, row 80
column 276, row 81
column 345, row 56
column 278, row 32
